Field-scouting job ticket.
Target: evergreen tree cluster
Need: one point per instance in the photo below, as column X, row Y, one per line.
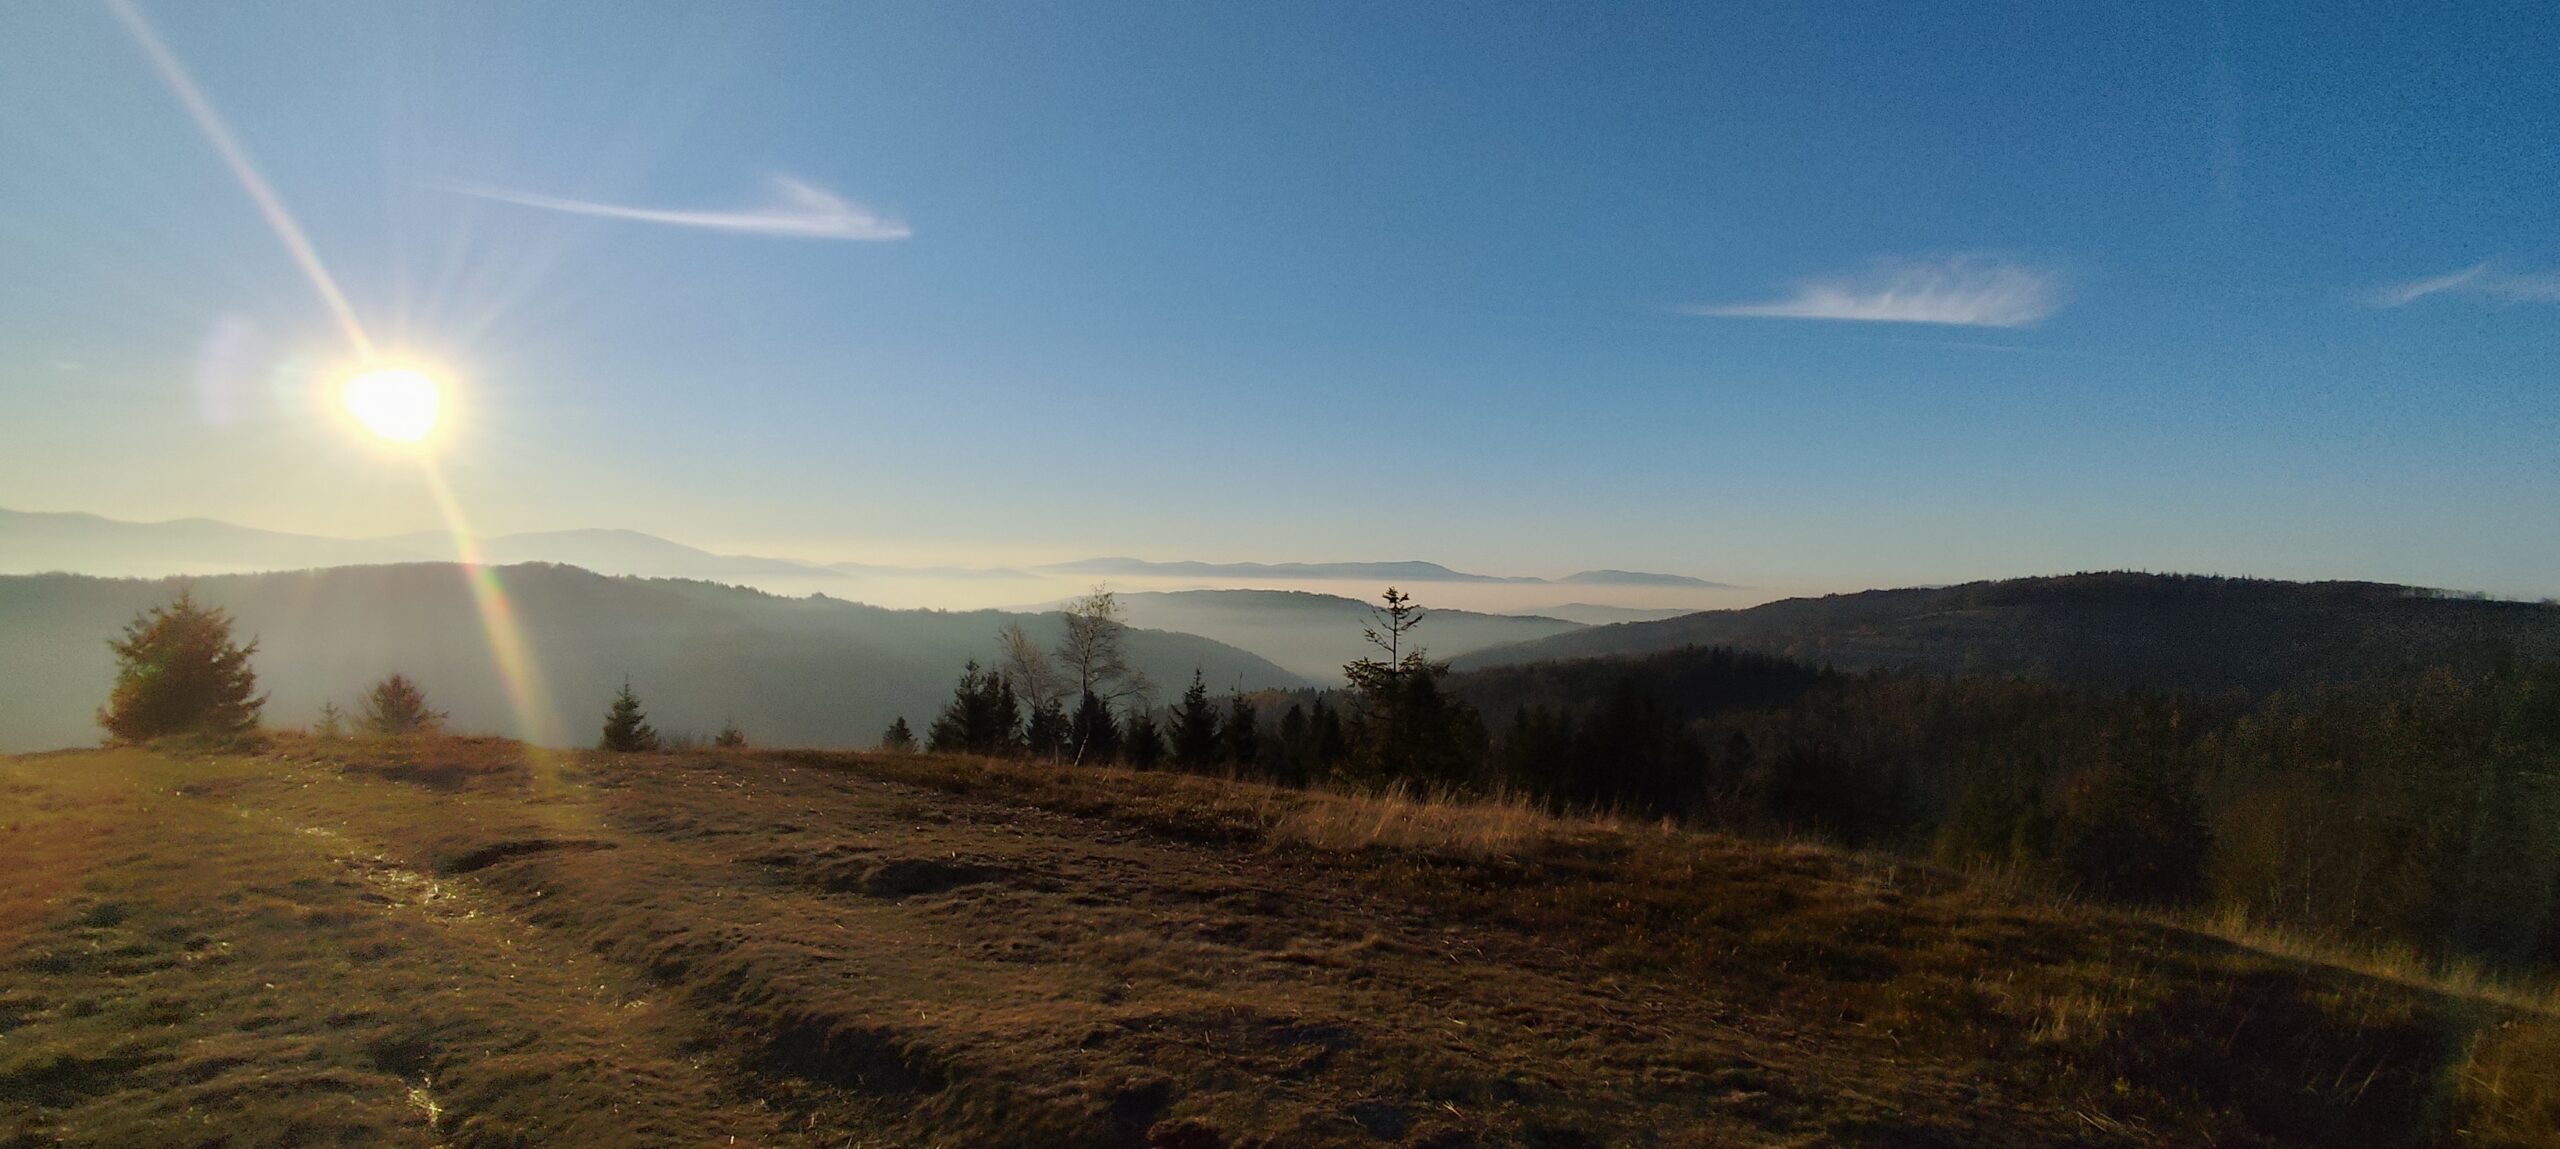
column 1199, row 733
column 983, row 717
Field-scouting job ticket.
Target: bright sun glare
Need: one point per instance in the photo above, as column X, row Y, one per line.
column 397, row 403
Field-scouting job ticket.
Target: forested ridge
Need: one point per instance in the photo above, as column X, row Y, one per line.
column 2198, row 633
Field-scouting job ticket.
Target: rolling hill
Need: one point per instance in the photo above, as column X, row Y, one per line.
column 2171, row 631
column 807, row 671
column 1315, row 634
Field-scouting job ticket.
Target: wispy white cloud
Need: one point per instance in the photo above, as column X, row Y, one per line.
column 1962, row 291
column 796, row 210
column 2477, row 279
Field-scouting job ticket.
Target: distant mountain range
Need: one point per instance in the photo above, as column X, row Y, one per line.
column 2115, row 629
column 32, row 542
column 809, row 671
column 35, row 542
column 606, row 552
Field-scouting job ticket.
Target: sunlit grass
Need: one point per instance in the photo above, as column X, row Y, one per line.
column 356, row 869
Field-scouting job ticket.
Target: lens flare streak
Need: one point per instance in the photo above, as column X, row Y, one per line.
column 218, row 134
column 536, row 721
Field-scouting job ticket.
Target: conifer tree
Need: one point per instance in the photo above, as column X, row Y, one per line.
column 1143, row 747
column 898, row 739
column 178, row 672
column 396, row 706
column 730, row 737
column 1330, row 744
column 1408, row 728
column 1242, row 736
column 1195, row 728
column 1292, row 749
column 1096, row 735
column 1047, row 734
column 951, row 729
column 1003, row 732
column 626, row 727
column 1382, row 685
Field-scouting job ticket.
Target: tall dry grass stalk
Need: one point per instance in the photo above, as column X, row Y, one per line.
column 2457, row 977
column 1404, row 818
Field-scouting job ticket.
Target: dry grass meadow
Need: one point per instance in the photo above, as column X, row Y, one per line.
column 461, row 942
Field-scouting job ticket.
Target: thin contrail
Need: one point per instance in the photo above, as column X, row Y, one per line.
column 799, row 210
column 269, row 205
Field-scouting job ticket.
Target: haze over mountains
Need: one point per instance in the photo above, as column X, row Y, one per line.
column 1413, row 572
column 1315, row 634
column 33, row 542
column 824, row 672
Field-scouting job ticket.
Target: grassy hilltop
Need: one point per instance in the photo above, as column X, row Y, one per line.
column 466, row 943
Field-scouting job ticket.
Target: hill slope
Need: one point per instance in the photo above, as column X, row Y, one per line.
column 457, row 943
column 809, row 671
column 2176, row 631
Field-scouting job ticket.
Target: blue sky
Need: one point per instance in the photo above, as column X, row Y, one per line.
column 1522, row 288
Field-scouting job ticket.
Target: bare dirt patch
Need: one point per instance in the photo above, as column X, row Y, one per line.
column 483, row 857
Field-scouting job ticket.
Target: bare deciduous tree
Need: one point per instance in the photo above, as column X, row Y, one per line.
column 1027, row 666
column 1093, row 650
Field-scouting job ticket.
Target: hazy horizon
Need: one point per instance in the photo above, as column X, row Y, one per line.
column 1030, row 586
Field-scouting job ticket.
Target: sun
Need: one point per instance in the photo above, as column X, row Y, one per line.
column 397, row 403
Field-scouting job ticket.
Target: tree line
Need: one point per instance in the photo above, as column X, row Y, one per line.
column 1393, row 722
